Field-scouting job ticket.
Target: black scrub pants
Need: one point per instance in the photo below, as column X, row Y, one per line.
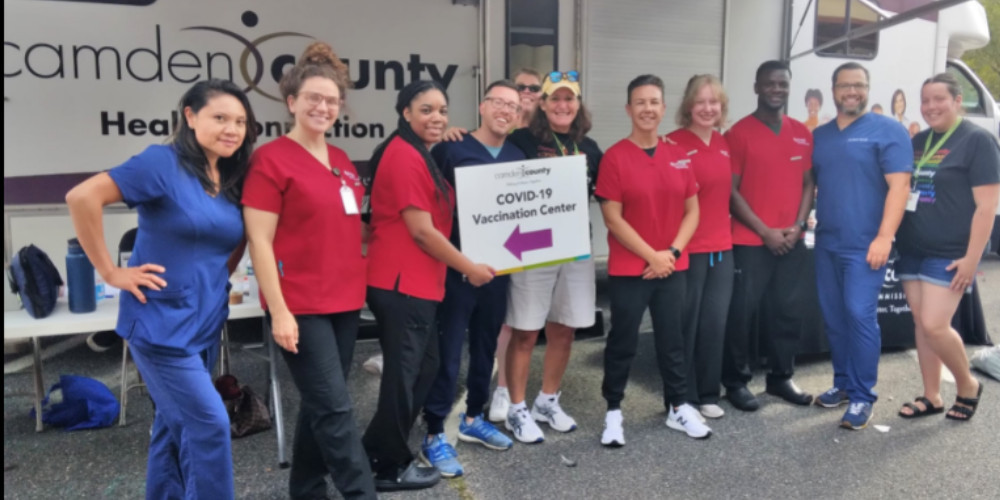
column 630, row 296
column 778, row 281
column 409, row 339
column 709, row 290
column 327, row 440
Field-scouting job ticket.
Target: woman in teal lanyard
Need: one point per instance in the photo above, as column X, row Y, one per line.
column 559, row 298
column 949, row 216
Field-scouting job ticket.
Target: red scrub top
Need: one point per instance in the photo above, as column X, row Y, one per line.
column 771, row 166
column 652, row 191
column 317, row 245
column 402, row 181
column 714, row 174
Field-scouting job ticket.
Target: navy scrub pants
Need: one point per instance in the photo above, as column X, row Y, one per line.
column 848, row 297
column 481, row 311
column 190, row 453
column 327, row 440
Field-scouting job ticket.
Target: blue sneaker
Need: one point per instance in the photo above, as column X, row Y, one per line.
column 438, row 453
column 857, row 416
column 832, row 398
column 482, row 432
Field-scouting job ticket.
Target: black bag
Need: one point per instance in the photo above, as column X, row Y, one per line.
column 35, row 280
column 248, row 413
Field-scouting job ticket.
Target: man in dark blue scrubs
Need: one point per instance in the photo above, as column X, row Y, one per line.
column 862, row 163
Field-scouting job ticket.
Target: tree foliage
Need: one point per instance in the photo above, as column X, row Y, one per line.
column 986, row 61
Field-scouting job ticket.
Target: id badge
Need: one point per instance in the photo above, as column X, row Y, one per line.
column 911, row 202
column 350, row 202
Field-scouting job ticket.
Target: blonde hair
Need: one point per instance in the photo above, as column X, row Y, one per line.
column 694, row 86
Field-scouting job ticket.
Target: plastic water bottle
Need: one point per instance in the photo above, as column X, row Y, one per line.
column 80, row 279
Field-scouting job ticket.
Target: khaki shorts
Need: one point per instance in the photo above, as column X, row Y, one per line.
column 564, row 294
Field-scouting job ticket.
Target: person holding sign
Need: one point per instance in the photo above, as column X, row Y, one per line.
column 479, row 310
column 412, row 207
column 300, row 205
column 649, row 201
column 956, row 184
column 710, row 273
column 190, row 236
column 560, row 298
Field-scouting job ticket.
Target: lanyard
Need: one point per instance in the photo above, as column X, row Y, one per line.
column 929, row 151
column 562, row 149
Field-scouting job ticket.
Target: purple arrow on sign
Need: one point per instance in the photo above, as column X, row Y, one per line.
column 518, row 243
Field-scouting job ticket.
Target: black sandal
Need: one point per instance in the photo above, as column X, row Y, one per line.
column 968, row 410
column 928, row 409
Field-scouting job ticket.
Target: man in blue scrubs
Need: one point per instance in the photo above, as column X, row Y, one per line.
column 862, row 163
column 480, row 310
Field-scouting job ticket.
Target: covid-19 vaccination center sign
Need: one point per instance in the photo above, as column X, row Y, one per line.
column 521, row 215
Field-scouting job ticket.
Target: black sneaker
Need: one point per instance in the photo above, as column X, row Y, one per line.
column 102, row 341
column 413, row 477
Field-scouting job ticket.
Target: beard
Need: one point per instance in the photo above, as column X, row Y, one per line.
column 854, row 110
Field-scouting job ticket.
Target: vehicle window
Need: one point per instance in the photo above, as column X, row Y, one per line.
column 835, row 18
column 972, row 100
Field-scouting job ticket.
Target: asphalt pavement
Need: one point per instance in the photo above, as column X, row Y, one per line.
column 781, row 451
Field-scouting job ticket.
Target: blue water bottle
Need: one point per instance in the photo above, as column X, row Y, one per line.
column 80, row 279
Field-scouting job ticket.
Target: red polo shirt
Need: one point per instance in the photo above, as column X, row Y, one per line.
column 316, row 244
column 652, row 191
column 771, row 166
column 402, row 181
column 714, row 174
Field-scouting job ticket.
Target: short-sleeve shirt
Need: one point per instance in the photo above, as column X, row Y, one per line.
column 191, row 234
column 467, row 153
column 942, row 223
column 850, row 166
column 317, row 245
column 652, row 191
column 771, row 167
column 713, row 172
column 395, row 262
column 534, row 148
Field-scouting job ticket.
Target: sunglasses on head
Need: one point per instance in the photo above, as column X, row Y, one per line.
column 570, row 76
column 531, row 88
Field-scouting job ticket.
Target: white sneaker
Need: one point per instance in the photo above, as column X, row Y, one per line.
column 373, row 365
column 551, row 413
column 712, row 411
column 524, row 428
column 614, row 434
column 686, row 419
column 499, row 405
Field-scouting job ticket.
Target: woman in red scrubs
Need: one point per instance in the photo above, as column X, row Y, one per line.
column 302, row 219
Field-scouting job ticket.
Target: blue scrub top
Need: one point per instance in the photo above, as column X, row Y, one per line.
column 850, row 167
column 191, row 234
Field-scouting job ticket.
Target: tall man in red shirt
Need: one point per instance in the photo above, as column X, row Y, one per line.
column 771, row 198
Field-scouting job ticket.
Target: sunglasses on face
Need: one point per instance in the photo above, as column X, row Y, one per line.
column 529, row 88
column 569, row 76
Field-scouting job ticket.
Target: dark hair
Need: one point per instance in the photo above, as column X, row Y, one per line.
column 814, row 94
column 404, row 131
column 501, row 83
column 949, row 81
column 642, row 80
column 527, row 71
column 542, row 131
column 847, row 66
column 769, row 66
column 892, row 102
column 318, row 59
column 191, row 154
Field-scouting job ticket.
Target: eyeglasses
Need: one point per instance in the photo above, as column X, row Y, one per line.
column 499, row 104
column 532, row 88
column 570, row 76
column 315, row 99
column 852, row 86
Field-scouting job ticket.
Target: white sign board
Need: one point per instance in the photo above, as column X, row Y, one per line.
column 525, row 214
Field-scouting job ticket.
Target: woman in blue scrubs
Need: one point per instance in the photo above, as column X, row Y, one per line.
column 190, row 238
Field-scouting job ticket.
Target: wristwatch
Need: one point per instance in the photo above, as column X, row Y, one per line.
column 676, row 252
column 803, row 225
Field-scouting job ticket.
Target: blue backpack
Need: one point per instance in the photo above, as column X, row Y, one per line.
column 86, row 404
column 35, row 279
